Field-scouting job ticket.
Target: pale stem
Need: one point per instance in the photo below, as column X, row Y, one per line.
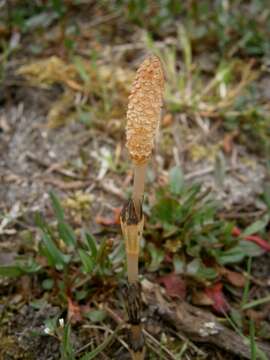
column 138, row 186
column 132, row 267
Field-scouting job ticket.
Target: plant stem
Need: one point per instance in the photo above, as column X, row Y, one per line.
column 133, row 267
column 132, row 226
column 138, row 186
column 133, row 303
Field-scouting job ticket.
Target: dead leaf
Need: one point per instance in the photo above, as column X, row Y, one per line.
column 167, row 120
column 4, row 125
column 74, row 312
column 66, row 185
column 74, row 85
column 26, row 287
column 108, row 221
column 215, row 293
column 60, row 111
column 200, row 298
column 175, row 285
column 48, row 71
column 255, row 315
column 4, row 31
column 233, row 277
column 228, row 142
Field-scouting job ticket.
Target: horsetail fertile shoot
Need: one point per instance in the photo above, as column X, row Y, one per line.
column 143, row 116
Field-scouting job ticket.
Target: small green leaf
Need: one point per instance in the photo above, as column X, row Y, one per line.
column 81, row 70
column 56, row 255
column 266, row 195
column 40, row 222
column 44, row 252
column 47, row 284
column 249, row 248
column 178, row 264
column 233, row 255
column 69, row 43
column 256, row 227
column 20, row 268
column 59, row 7
column 50, row 323
column 58, row 210
column 157, row 256
column 87, row 261
column 197, row 269
column 239, row 252
column 96, row 315
column 80, row 295
column 166, row 210
column 193, row 267
column 176, row 180
column 38, row 304
column 207, row 273
column 29, row 267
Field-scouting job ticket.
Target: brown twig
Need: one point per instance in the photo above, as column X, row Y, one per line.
column 197, row 324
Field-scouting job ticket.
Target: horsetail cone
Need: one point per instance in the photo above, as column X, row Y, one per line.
column 144, row 110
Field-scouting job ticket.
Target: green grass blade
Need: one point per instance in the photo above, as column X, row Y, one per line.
column 247, row 284
column 87, row 261
column 67, row 234
column 67, row 349
column 10, row 271
column 255, row 303
column 57, row 256
column 58, row 210
column 92, row 244
column 253, row 349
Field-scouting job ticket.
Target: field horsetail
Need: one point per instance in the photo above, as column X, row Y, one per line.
column 143, row 117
